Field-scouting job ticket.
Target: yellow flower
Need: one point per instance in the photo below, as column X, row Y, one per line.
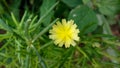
column 65, row 33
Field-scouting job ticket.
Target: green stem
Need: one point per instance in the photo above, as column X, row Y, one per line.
column 26, row 29
column 18, row 49
column 14, row 20
column 47, row 44
column 106, row 26
column 33, row 20
column 39, row 57
column 66, row 56
column 27, row 58
column 44, row 30
column 40, row 20
column 107, row 30
column 81, row 51
column 111, row 42
column 23, row 18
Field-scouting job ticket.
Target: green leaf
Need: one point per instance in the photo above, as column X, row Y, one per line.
column 86, row 1
column 1, row 9
column 5, row 36
column 14, row 7
column 47, row 4
column 72, row 3
column 14, row 20
column 109, row 7
column 44, row 30
column 3, row 25
column 85, row 18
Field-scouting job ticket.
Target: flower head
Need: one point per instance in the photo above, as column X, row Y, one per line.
column 65, row 33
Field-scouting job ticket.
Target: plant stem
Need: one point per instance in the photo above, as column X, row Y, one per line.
column 27, row 58
column 26, row 28
column 44, row 30
column 39, row 57
column 47, row 44
column 40, row 20
column 23, row 18
column 80, row 50
column 14, row 20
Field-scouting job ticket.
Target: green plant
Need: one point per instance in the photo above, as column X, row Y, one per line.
column 26, row 43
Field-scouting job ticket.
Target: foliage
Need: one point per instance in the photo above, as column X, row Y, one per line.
column 26, row 43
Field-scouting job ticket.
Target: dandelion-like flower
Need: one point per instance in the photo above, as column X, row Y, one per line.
column 65, row 33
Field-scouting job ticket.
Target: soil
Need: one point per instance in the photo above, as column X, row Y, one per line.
column 2, row 32
column 116, row 29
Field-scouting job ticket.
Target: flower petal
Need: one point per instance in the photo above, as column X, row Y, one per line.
column 65, row 33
